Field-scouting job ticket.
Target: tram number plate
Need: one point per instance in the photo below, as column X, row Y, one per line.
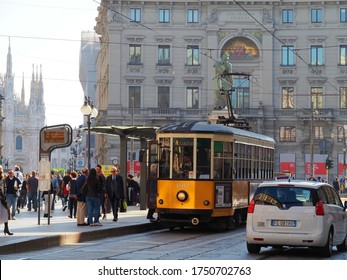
column 283, row 223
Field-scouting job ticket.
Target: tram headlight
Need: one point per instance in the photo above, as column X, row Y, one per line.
column 160, row 201
column 182, row 196
column 206, row 203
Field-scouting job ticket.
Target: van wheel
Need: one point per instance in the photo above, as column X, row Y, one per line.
column 327, row 250
column 253, row 248
column 343, row 246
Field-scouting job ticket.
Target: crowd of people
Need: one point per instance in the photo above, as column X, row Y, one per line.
column 338, row 184
column 89, row 195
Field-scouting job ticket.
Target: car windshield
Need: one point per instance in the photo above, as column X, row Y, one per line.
column 283, row 196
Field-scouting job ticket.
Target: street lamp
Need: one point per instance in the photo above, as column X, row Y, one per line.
column 1, row 120
column 344, row 154
column 90, row 112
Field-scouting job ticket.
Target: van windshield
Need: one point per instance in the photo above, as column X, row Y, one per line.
column 283, row 197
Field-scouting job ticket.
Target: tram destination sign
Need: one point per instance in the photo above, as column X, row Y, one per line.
column 57, row 136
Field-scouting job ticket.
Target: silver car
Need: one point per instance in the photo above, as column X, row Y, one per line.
column 298, row 214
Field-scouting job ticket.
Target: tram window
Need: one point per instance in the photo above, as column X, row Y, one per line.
column 182, row 166
column 218, row 169
column 164, row 163
column 223, row 155
column 227, row 169
column 203, row 162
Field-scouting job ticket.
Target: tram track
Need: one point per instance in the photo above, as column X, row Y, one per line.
column 181, row 244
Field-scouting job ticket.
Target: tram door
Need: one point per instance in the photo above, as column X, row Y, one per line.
column 152, row 174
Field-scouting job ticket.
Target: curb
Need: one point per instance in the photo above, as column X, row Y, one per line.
column 78, row 237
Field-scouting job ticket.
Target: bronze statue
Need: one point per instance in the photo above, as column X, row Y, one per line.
column 222, row 68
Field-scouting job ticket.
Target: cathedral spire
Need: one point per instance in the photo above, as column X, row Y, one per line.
column 32, row 87
column 23, row 91
column 9, row 59
column 41, row 101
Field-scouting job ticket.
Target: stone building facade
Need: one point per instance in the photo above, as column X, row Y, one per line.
column 156, row 65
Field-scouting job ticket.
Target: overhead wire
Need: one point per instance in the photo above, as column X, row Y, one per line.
column 207, row 51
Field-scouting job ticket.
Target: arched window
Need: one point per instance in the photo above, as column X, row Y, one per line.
column 240, row 48
column 19, row 143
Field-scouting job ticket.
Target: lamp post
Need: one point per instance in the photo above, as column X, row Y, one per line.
column 90, row 112
column 311, row 142
column 132, row 140
column 1, row 120
column 344, row 156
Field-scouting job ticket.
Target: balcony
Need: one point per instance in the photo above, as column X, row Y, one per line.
column 152, row 115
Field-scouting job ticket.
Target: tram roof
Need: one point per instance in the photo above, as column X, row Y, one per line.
column 207, row 127
column 145, row 132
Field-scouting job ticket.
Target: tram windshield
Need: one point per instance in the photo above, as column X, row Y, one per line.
column 184, row 153
column 182, row 166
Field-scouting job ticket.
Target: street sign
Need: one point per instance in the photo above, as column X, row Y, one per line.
column 80, row 162
column 56, row 136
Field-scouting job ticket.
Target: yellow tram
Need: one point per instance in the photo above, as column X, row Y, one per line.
column 206, row 173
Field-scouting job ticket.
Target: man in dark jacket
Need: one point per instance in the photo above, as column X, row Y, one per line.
column 33, row 184
column 81, row 199
column 115, row 190
column 336, row 184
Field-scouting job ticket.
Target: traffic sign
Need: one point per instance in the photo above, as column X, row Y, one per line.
column 80, row 162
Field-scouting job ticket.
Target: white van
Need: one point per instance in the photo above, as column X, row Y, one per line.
column 296, row 213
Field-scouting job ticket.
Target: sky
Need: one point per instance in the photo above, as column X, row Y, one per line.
column 48, row 33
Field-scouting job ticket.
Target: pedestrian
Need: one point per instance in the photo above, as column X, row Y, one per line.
column 4, row 211
column 138, row 177
column 33, row 185
column 2, row 180
column 22, row 200
column 18, row 174
column 336, row 184
column 64, row 192
column 81, row 199
column 133, row 190
column 55, row 186
column 115, row 190
column 60, row 193
column 103, row 195
column 342, row 184
column 12, row 184
column 152, row 192
column 93, row 191
column 72, row 188
column 48, row 197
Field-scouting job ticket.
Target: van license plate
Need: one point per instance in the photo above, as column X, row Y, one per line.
column 283, row 223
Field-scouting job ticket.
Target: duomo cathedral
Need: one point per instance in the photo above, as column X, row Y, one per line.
column 20, row 122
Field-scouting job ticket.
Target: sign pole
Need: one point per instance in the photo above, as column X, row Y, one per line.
column 51, row 137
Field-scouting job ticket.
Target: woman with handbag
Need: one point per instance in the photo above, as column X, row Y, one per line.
column 4, row 211
column 12, row 191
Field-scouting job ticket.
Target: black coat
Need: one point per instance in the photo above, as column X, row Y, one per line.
column 118, row 191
